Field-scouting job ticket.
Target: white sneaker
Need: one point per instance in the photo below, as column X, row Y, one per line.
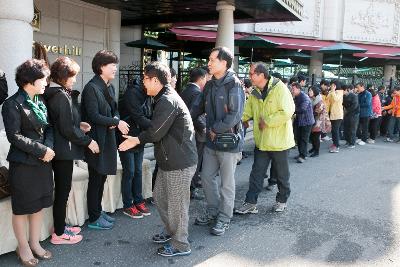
column 279, row 207
column 370, row 141
column 358, row 141
column 361, row 143
column 326, row 138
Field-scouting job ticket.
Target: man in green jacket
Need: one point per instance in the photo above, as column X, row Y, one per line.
column 271, row 108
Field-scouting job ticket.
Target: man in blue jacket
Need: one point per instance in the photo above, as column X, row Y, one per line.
column 304, row 120
column 365, row 102
column 222, row 100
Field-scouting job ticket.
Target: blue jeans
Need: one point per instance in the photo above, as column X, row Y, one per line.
column 131, row 183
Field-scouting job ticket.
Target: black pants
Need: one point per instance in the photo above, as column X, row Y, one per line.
column 384, row 125
column 261, row 162
column 62, row 186
column 362, row 132
column 154, row 177
column 303, row 135
column 196, row 180
column 350, row 129
column 336, row 131
column 95, row 194
column 373, row 127
column 272, row 175
column 315, row 141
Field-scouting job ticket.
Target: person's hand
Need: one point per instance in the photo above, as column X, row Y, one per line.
column 261, row 124
column 94, row 147
column 212, row 135
column 85, row 127
column 49, row 155
column 246, row 124
column 123, row 127
column 129, row 143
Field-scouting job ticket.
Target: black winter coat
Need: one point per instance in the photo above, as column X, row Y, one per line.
column 69, row 139
column 132, row 110
column 189, row 96
column 3, row 88
column 29, row 139
column 99, row 109
column 350, row 103
column 172, row 132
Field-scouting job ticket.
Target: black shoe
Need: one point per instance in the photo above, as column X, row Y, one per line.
column 195, row 194
column 311, row 150
column 315, row 154
column 204, row 219
column 219, row 228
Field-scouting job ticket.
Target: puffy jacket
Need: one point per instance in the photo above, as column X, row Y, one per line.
column 335, row 105
column 277, row 110
column 350, row 104
column 222, row 100
column 172, row 132
column 133, row 106
column 365, row 101
column 376, row 105
column 394, row 106
column 69, row 139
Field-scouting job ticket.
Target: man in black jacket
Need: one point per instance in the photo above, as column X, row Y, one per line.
column 171, row 130
column 135, row 109
column 3, row 87
column 351, row 114
column 197, row 80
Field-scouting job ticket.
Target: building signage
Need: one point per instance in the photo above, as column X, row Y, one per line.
column 67, row 50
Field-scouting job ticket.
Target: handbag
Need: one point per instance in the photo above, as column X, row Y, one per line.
column 4, row 183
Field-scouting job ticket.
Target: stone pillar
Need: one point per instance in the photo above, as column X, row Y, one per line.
column 130, row 55
column 316, row 61
column 333, row 20
column 114, row 41
column 225, row 34
column 389, row 71
column 16, row 36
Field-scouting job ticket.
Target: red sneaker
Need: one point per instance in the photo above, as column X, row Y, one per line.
column 133, row 213
column 143, row 209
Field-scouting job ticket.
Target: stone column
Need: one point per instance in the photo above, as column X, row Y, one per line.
column 16, row 36
column 316, row 61
column 225, row 34
column 114, row 41
column 389, row 71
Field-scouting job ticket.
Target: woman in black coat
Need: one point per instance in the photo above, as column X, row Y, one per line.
column 30, row 175
column 69, row 143
column 99, row 109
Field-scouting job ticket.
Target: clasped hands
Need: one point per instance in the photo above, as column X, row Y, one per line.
column 123, row 127
column 130, row 142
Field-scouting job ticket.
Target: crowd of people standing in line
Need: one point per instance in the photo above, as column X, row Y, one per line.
column 198, row 138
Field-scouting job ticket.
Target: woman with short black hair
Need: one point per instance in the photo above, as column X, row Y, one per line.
column 99, row 109
column 30, row 174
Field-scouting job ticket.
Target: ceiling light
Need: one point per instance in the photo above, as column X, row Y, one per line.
column 364, row 58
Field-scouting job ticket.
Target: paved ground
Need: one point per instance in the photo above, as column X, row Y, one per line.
column 344, row 210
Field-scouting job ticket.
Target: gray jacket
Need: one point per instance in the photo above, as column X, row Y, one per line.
column 223, row 101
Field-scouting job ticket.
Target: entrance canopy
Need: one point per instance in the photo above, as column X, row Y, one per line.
column 138, row 12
